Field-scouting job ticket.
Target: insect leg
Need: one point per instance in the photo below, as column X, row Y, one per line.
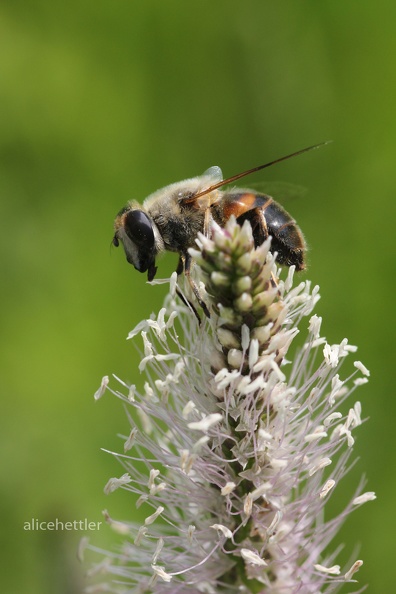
column 179, row 270
column 180, row 266
column 187, row 271
column 206, row 222
column 189, row 304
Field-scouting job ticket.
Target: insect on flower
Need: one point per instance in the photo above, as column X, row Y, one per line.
column 171, row 218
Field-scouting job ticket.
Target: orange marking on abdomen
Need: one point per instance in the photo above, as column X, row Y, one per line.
column 243, row 203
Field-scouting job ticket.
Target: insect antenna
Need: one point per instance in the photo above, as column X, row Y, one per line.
column 229, row 180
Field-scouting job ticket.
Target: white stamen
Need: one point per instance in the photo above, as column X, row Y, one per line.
column 332, row 417
column 223, row 373
column 158, row 550
column 119, row 527
column 128, row 445
column 314, row 325
column 331, row 354
column 102, row 388
column 327, row 487
column 351, row 419
column 160, row 572
column 187, row 410
column 149, row 357
column 253, row 352
column 150, row 519
column 360, row 381
column 158, row 488
column 206, row 423
column 148, row 347
column 358, row 413
column 228, row 488
column 359, row 365
column 289, row 280
column 252, row 558
column 201, row 441
column 186, row 461
column 137, row 329
column 322, row 464
column 368, row 496
column 260, row 491
column 272, row 527
column 131, row 393
column 248, row 505
column 220, row 528
column 142, row 499
column 148, row 390
column 278, row 463
column 251, row 387
column 173, row 284
column 190, row 533
column 317, row 434
column 334, row 570
column 336, row 385
column 115, row 483
column 153, row 475
column 355, row 567
column 265, row 435
column 227, row 379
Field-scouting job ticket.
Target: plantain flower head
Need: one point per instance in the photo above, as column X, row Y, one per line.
column 234, row 450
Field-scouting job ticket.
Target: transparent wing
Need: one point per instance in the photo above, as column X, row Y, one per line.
column 279, row 191
column 200, row 186
column 214, row 173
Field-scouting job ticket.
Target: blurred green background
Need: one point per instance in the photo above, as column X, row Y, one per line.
column 104, row 101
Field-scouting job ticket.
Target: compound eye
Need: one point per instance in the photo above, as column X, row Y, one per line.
column 139, row 228
column 115, row 241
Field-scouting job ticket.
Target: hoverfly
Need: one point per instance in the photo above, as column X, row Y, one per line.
column 170, row 219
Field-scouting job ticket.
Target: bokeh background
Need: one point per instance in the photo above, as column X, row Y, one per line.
column 104, row 101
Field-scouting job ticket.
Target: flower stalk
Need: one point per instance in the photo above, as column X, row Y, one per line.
column 240, row 448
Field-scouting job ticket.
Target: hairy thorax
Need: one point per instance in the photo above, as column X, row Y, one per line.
column 178, row 226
